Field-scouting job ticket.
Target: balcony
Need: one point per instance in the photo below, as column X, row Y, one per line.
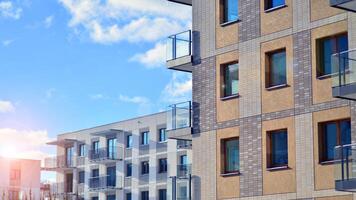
column 185, row 2
column 179, row 121
column 106, row 155
column 344, row 75
column 184, row 171
column 58, row 163
column 345, row 168
column 179, row 51
column 349, row 5
column 184, row 144
column 62, row 190
column 105, row 183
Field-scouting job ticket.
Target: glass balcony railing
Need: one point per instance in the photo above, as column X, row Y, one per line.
column 106, row 154
column 183, row 171
column 179, row 45
column 345, row 168
column 179, row 116
column 105, row 182
column 58, row 162
column 344, row 74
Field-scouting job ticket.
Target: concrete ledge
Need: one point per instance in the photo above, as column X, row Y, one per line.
column 181, row 64
column 182, row 134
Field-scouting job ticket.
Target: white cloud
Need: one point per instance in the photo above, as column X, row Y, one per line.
column 144, row 104
column 9, row 10
column 153, row 58
column 97, row 96
column 179, row 89
column 48, row 21
column 6, row 107
column 6, row 43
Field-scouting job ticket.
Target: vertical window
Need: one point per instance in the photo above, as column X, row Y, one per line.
column 145, row 138
column 184, row 160
column 162, row 135
column 231, row 155
column 111, row 176
column 162, row 194
column 145, row 167
column 111, row 148
column 277, row 148
column 231, row 79
column 15, row 175
column 111, row 197
column 69, row 156
column 332, row 134
column 81, row 176
column 144, row 195
column 230, row 10
column 94, row 181
column 128, row 196
column 82, row 150
column 129, row 170
column 270, row 4
column 276, row 70
column 95, row 147
column 326, row 47
column 95, row 198
column 162, row 165
column 129, row 141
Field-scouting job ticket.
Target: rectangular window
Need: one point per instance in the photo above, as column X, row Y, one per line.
column 144, row 195
column 81, row 176
column 69, row 156
column 277, row 148
column 111, row 176
column 231, row 155
column 111, row 148
column 162, row 135
column 15, row 175
column 231, row 79
column 128, row 196
column 145, row 138
column 162, row 194
column 230, row 10
column 145, row 167
column 162, row 165
column 270, row 4
column 276, row 70
column 95, row 198
column 326, row 47
column 82, row 150
column 129, row 170
column 129, row 141
column 331, row 134
column 95, row 147
column 111, row 197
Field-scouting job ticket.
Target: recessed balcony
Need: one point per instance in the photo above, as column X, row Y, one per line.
column 105, row 183
column 349, row 5
column 179, row 51
column 179, row 121
column 345, row 168
column 184, row 171
column 344, row 75
column 106, row 155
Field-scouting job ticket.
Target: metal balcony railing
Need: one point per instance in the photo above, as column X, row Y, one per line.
column 58, row 162
column 179, row 116
column 183, row 171
column 179, row 45
column 184, row 144
column 345, row 167
column 106, row 154
column 105, row 183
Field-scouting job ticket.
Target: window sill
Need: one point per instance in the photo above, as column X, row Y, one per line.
column 278, row 168
column 230, row 97
column 230, row 174
column 275, row 8
column 144, row 145
column 144, row 175
column 128, row 148
column 163, row 142
column 329, row 162
column 162, row 172
column 326, row 76
column 128, row 177
column 276, row 87
column 229, row 23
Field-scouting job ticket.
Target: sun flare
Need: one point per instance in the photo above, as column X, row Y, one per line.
column 8, row 151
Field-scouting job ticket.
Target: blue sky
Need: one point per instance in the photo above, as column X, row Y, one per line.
column 72, row 64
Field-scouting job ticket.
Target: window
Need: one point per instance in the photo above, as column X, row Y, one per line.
column 231, row 155
column 15, row 175
column 162, row 194
column 94, row 181
column 111, row 148
column 276, row 70
column 129, row 170
column 326, row 47
column 129, row 141
column 332, row 134
column 184, row 160
column 95, row 198
column 69, row 156
column 144, row 195
column 81, row 176
column 95, row 147
column 128, row 196
column 145, row 138
column 230, row 10
column 111, row 176
column 145, row 167
column 162, row 165
column 82, row 150
column 162, row 135
column 231, row 79
column 277, row 148
column 270, row 4
column 111, row 197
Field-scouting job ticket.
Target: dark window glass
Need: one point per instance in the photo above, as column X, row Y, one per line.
column 231, row 155
column 231, row 79
column 111, row 176
column 162, row 135
column 129, row 141
column 162, row 194
column 94, row 181
column 69, row 183
column 82, row 150
column 95, row 147
column 230, row 10
column 269, row 4
column 184, row 160
column 69, row 156
column 276, row 71
column 145, row 167
column 162, row 165
column 129, row 170
column 326, row 48
column 81, row 176
column 144, row 195
column 128, row 196
column 277, row 150
column 95, row 198
column 332, row 134
column 111, row 148
column 145, row 138
column 111, row 197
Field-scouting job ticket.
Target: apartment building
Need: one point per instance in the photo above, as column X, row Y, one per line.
column 131, row 159
column 274, row 110
column 20, row 179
